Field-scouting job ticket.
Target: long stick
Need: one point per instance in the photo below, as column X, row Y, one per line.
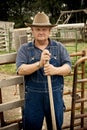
column 51, row 103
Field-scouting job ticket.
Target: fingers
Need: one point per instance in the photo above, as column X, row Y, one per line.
column 48, row 69
column 45, row 56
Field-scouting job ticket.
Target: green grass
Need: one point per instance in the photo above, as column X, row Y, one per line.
column 73, row 47
column 5, row 52
column 7, row 68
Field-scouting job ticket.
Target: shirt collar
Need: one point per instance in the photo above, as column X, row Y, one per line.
column 50, row 42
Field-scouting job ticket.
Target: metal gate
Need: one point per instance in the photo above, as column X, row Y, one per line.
column 79, row 96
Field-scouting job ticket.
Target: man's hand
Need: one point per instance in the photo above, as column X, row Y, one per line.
column 49, row 69
column 45, row 56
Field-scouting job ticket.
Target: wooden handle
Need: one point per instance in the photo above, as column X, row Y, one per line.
column 51, row 102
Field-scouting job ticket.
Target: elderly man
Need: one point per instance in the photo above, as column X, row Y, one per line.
column 31, row 62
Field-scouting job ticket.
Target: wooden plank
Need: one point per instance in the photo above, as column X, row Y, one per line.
column 14, row 126
column 8, row 58
column 2, row 42
column 85, row 128
column 21, row 91
column 81, row 100
column 80, row 116
column 11, row 81
column 82, row 80
column 23, row 39
column 11, row 105
column 2, row 38
column 76, row 54
column 1, row 113
column 71, row 26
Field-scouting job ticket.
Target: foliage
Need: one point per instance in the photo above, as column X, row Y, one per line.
column 21, row 11
column 76, row 4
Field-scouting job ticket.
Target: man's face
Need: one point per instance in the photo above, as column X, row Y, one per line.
column 41, row 33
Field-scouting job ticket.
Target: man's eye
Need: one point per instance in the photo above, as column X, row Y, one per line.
column 38, row 29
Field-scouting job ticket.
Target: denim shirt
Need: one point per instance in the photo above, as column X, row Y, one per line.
column 37, row 81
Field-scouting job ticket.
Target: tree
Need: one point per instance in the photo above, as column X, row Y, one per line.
column 17, row 11
column 22, row 11
column 4, row 10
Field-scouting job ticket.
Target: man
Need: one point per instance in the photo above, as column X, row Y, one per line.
column 32, row 63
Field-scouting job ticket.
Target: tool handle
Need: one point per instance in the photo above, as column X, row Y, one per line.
column 51, row 102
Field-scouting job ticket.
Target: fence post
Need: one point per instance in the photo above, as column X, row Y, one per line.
column 1, row 113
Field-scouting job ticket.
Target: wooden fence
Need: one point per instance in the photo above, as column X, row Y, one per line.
column 15, row 80
column 18, row 80
column 6, row 35
column 10, row 37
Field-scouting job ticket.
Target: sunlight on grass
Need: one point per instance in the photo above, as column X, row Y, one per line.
column 72, row 47
column 8, row 69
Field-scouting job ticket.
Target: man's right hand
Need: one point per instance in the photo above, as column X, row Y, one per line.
column 45, row 56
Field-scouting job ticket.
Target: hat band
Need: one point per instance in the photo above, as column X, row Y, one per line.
column 41, row 24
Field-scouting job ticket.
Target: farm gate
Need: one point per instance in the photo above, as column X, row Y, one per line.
column 79, row 87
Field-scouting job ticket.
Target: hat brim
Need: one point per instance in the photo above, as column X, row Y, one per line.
column 40, row 25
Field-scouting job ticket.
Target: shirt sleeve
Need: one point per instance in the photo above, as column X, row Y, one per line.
column 21, row 56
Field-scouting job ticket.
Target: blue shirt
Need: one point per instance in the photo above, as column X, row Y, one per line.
column 37, row 81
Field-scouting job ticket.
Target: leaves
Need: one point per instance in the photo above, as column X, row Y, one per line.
column 22, row 11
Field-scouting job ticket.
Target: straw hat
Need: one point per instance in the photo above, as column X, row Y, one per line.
column 41, row 20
